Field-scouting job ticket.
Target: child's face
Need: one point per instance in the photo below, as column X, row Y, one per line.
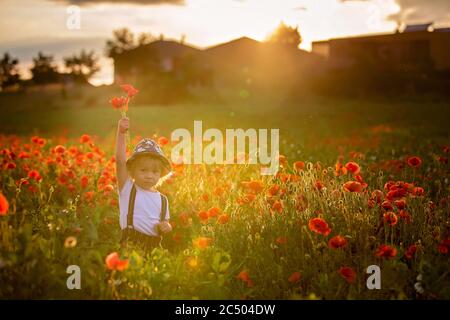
column 146, row 172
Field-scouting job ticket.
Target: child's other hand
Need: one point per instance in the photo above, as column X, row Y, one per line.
column 164, row 226
column 124, row 125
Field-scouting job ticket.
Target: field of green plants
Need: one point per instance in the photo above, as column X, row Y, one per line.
column 360, row 183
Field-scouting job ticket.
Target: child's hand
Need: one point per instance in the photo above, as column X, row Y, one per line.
column 164, row 226
column 124, row 125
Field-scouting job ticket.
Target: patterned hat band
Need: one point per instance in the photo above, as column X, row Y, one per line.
column 149, row 146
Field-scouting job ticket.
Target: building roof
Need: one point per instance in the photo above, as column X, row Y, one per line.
column 407, row 31
column 243, row 41
column 169, row 47
column 417, row 27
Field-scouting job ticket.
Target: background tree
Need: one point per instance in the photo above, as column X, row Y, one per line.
column 145, row 38
column 9, row 72
column 286, row 35
column 44, row 70
column 82, row 66
column 123, row 41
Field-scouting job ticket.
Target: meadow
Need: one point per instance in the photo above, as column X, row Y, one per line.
column 361, row 182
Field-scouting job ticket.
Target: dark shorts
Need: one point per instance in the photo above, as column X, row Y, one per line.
column 140, row 239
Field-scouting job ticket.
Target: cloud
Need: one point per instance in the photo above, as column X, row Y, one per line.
column 141, row 2
column 418, row 11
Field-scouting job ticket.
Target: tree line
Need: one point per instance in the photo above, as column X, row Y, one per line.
column 79, row 68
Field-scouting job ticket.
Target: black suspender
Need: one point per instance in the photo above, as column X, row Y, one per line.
column 162, row 215
column 130, row 214
column 131, row 208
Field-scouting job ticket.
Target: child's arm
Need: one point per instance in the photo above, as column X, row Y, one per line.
column 121, row 156
column 165, row 226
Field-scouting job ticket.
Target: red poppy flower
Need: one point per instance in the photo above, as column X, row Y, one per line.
column 414, row 162
column 84, row 181
column 162, row 141
column 41, row 142
column 280, row 240
column 353, row 167
column 385, row 251
column 444, row 246
column 295, row 277
column 337, row 242
column 360, row 179
column 60, row 149
column 353, row 186
column 223, row 218
column 400, row 204
column 299, row 165
column 73, row 150
column 89, row 195
column 118, row 103
column 418, row 191
column 4, row 205
column 340, row 169
column 319, row 185
column 409, row 254
column 85, row 138
column 129, row 89
column 277, row 206
column 396, row 194
column 388, row 185
column 113, row 262
column 244, row 276
column 213, row 212
column 108, row 188
column 33, row 174
column 256, row 186
column 390, row 218
column 202, row 242
column 24, row 155
column 442, row 159
column 387, row 205
column 318, row 225
column 11, row 166
column 348, row 274
column 273, row 190
column 377, row 195
column 203, row 216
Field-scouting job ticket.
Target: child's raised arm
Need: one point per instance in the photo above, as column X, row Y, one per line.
column 121, row 156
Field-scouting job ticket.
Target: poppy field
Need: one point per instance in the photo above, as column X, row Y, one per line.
column 360, row 184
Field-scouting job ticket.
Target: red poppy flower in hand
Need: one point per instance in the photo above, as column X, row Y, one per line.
column 129, row 89
column 118, row 102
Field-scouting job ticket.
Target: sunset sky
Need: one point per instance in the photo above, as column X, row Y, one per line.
column 27, row 26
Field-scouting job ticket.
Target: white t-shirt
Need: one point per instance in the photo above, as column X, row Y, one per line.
column 147, row 209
